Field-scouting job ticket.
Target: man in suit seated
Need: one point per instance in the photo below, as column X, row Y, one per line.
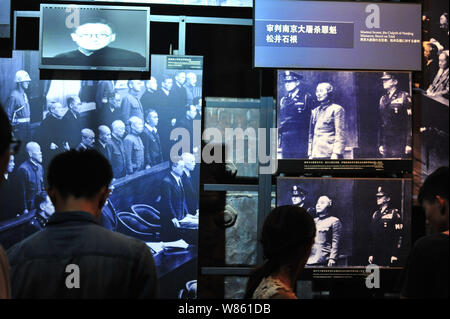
column 174, row 209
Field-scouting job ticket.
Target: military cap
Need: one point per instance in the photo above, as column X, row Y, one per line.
column 289, row 76
column 388, row 76
column 381, row 192
column 298, row 191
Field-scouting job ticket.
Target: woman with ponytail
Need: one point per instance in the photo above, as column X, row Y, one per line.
column 287, row 237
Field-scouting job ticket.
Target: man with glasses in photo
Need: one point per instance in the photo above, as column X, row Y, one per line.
column 93, row 38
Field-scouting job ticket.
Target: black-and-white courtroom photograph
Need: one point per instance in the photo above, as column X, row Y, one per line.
column 344, row 115
column 358, row 221
column 153, row 197
column 78, row 37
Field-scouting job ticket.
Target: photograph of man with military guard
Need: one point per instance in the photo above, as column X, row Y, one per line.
column 358, row 221
column 344, row 115
column 127, row 121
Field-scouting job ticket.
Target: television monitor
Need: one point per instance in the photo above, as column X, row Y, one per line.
column 5, row 18
column 337, row 35
column 359, row 221
column 87, row 37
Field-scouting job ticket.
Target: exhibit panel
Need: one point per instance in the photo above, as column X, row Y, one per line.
column 358, row 221
column 126, row 121
column 240, row 146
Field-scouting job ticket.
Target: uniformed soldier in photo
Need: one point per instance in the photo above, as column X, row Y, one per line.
column 18, row 107
column 386, row 232
column 298, row 198
column 325, row 251
column 295, row 113
column 395, row 131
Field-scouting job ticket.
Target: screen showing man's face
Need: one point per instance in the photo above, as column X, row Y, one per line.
column 93, row 36
column 322, row 92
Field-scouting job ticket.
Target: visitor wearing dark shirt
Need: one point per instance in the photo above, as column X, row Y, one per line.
column 426, row 273
column 74, row 250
